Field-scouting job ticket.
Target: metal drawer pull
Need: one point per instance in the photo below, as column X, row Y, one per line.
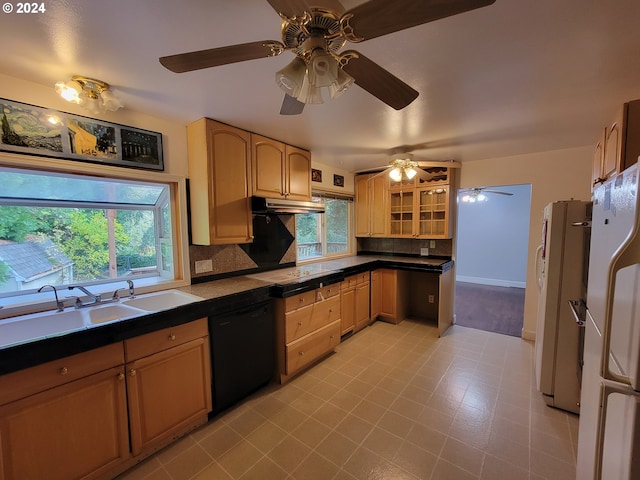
column 172, row 336
column 132, row 373
column 301, row 353
column 299, row 324
column 63, row 371
column 121, row 376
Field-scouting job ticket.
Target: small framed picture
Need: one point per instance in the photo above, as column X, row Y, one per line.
column 338, row 180
column 316, row 175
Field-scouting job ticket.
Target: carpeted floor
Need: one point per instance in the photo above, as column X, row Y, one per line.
column 489, row 308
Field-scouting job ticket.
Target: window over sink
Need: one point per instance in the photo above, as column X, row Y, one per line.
column 63, row 228
column 325, row 235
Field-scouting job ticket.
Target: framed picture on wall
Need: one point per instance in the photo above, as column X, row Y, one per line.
column 338, row 180
column 34, row 130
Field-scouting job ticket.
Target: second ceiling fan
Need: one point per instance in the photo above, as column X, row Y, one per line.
column 316, row 31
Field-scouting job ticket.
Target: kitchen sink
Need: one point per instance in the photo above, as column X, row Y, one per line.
column 109, row 313
column 47, row 324
column 38, row 325
column 154, row 302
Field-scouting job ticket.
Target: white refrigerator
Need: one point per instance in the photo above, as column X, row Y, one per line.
column 609, row 435
column 561, row 269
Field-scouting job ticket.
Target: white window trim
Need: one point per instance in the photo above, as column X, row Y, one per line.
column 19, row 304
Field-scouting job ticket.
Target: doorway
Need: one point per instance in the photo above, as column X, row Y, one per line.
column 491, row 257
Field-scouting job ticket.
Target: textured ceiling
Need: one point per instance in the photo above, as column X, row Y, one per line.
column 516, row 77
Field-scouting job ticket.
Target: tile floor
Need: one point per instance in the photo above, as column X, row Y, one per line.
column 393, row 402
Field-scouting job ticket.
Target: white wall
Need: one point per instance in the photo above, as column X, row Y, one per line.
column 493, row 237
column 554, row 175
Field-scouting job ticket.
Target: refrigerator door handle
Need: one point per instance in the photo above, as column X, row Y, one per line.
column 539, row 272
column 586, row 224
column 627, row 254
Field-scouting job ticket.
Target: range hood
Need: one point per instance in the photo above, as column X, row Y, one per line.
column 282, row 206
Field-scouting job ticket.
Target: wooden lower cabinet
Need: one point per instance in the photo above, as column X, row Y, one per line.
column 375, row 295
column 95, row 414
column 308, row 327
column 77, row 430
column 394, row 295
column 355, row 302
column 169, row 391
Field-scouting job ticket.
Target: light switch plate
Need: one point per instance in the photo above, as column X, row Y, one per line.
column 424, row 252
column 203, row 266
column 432, row 244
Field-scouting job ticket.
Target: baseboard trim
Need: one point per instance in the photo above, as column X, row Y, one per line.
column 494, row 282
column 528, row 335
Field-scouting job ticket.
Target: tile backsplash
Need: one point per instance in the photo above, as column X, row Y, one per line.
column 405, row 246
column 273, row 246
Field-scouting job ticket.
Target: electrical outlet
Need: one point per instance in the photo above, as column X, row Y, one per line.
column 424, row 252
column 432, row 298
column 203, row 266
column 432, row 244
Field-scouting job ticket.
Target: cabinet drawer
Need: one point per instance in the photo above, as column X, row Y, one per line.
column 299, row 301
column 311, row 347
column 23, row 383
column 327, row 292
column 153, row 342
column 349, row 282
column 305, row 320
column 362, row 277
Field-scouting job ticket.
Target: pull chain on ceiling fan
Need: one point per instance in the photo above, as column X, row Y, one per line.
column 316, row 34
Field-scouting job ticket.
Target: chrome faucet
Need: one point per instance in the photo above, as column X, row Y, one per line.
column 95, row 299
column 132, row 293
column 59, row 304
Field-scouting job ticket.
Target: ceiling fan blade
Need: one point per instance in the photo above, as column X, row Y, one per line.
column 498, row 192
column 381, row 17
column 379, row 82
column 214, row 57
column 291, row 106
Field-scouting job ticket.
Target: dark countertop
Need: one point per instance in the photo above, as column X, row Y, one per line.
column 219, row 297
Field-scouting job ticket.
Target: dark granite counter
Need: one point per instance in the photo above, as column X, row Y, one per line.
column 219, row 297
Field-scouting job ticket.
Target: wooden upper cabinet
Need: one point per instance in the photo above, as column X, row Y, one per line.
column 613, row 147
column 370, row 205
column 280, row 170
column 298, row 173
column 597, row 166
column 619, row 145
column 268, row 167
column 219, row 183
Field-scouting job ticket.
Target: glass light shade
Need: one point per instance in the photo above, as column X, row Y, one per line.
column 290, row 79
column 309, row 93
column 323, row 69
column 396, row 174
column 70, row 91
column 341, row 85
column 110, row 101
column 92, row 105
column 410, row 172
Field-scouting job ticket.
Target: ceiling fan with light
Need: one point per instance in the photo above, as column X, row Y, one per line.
column 316, row 31
column 477, row 194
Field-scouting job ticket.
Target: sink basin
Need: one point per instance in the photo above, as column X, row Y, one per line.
column 109, row 313
column 39, row 325
column 154, row 302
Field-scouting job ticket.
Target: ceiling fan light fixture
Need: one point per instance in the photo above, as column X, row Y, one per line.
column 341, row 85
column 93, row 95
column 323, row 69
column 410, row 172
column 309, row 93
column 290, row 79
column 396, row 174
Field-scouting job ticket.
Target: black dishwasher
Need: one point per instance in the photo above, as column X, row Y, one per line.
column 242, row 352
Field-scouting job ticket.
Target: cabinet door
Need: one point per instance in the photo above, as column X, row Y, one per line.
column 268, row 167
column 167, row 392
column 597, row 166
column 613, row 147
column 362, row 304
column 298, row 174
column 219, row 195
column 401, row 213
column 378, row 193
column 388, row 299
column 77, row 430
column 348, row 310
column 432, row 216
column 363, row 206
column 376, row 294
